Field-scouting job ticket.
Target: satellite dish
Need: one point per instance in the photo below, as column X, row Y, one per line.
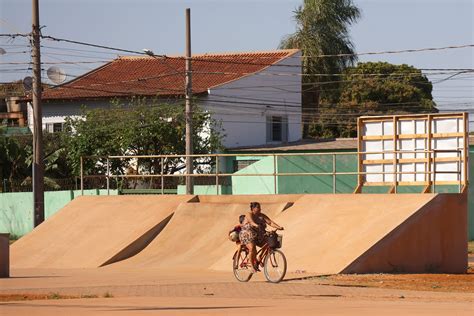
column 56, row 74
column 28, row 83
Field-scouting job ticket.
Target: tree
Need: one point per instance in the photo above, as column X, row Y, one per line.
column 58, row 173
column 373, row 88
column 140, row 127
column 322, row 29
column 12, row 156
column 16, row 157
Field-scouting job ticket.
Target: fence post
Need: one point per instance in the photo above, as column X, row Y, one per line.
column 274, row 174
column 108, row 176
column 162, row 179
column 82, row 176
column 459, row 167
column 434, row 171
column 333, row 173
column 217, row 174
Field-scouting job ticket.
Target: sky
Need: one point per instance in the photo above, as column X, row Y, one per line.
column 242, row 25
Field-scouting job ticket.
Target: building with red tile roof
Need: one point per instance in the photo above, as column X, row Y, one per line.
column 255, row 95
column 151, row 76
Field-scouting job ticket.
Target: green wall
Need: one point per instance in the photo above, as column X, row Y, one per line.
column 255, row 184
column 16, row 209
column 315, row 164
column 206, row 189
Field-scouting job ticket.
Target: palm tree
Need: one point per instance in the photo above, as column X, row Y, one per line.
column 322, row 29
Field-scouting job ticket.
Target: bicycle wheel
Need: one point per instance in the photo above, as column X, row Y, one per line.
column 274, row 266
column 241, row 266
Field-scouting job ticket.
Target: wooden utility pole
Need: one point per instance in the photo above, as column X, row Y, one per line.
column 189, row 109
column 38, row 164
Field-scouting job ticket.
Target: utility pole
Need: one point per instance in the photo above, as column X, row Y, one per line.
column 189, row 109
column 38, row 164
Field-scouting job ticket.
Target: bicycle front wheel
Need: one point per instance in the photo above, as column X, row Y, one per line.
column 275, row 266
column 241, row 266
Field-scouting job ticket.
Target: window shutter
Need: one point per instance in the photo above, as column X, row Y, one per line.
column 284, row 129
column 269, row 129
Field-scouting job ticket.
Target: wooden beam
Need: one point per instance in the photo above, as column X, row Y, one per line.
column 359, row 155
column 410, row 183
column 427, row 189
column 428, row 148
column 409, row 116
column 358, row 189
column 411, row 136
column 409, row 160
column 395, row 154
column 466, row 148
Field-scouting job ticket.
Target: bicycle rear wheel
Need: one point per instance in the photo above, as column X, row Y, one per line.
column 275, row 266
column 241, row 266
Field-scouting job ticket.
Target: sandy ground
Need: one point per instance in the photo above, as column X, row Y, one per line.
column 107, row 291
column 228, row 306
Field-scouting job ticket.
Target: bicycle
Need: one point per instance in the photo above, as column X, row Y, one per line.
column 272, row 260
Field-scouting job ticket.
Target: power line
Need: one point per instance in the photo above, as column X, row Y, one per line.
column 253, row 57
column 95, row 45
column 54, row 63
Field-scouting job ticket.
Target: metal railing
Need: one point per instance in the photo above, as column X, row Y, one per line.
column 430, row 157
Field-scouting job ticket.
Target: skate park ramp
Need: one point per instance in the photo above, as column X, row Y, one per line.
column 92, row 231
column 370, row 233
column 196, row 236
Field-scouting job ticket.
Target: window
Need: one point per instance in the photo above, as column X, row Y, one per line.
column 54, row 127
column 57, row 127
column 277, row 129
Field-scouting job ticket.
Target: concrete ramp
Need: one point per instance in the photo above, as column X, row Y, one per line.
column 92, row 231
column 369, row 233
column 357, row 233
column 196, row 235
column 432, row 240
column 324, row 233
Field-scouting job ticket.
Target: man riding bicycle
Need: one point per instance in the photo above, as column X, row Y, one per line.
column 253, row 231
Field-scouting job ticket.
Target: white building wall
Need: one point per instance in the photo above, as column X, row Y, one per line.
column 57, row 111
column 243, row 105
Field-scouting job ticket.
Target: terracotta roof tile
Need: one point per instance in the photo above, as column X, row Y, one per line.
column 150, row 76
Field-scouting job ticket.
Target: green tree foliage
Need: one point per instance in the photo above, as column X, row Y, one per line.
column 322, row 28
column 140, row 127
column 12, row 155
column 16, row 156
column 373, row 88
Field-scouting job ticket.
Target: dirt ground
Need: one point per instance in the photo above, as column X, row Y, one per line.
column 107, row 291
column 416, row 282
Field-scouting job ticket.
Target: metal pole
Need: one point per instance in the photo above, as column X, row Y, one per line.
column 189, row 110
column 38, row 164
column 217, row 174
column 434, row 171
column 108, row 175
column 82, row 176
column 334, row 174
column 274, row 175
column 459, row 169
column 162, row 179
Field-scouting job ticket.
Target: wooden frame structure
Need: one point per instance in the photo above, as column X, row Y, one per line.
column 421, row 149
